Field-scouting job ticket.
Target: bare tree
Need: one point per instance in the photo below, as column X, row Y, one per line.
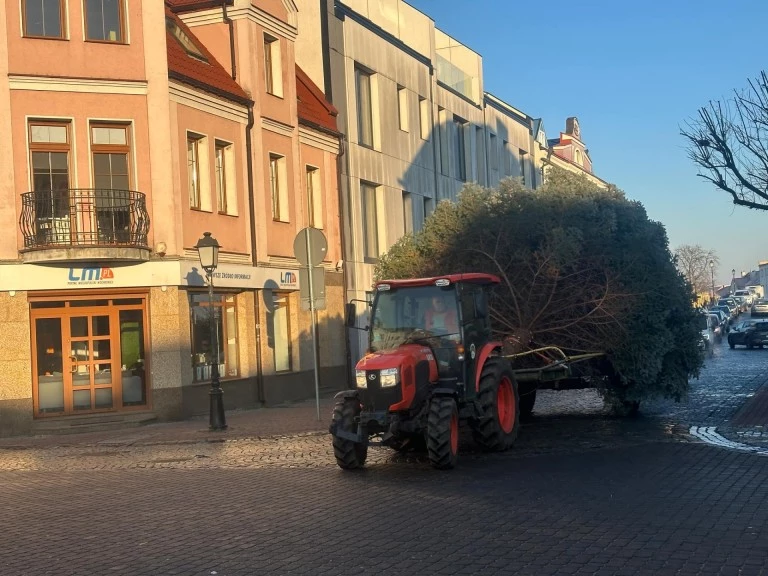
column 698, row 265
column 729, row 143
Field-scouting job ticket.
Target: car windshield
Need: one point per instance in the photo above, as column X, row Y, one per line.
column 411, row 314
column 744, row 325
column 703, row 325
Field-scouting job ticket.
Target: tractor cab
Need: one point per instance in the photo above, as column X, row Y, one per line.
column 447, row 315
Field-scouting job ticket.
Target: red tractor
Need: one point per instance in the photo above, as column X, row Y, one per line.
column 430, row 367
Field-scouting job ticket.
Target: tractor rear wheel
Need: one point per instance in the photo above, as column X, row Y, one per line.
column 349, row 455
column 497, row 428
column 443, row 432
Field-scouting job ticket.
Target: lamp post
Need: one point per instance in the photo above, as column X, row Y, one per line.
column 712, row 271
column 208, row 251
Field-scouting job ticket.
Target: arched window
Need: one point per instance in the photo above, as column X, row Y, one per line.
column 578, row 157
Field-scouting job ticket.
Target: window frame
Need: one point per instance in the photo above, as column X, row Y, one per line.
column 365, row 187
column 273, row 70
column 407, row 212
column 361, row 72
column 196, row 140
column 220, row 175
column 522, row 154
column 275, row 187
column 402, row 109
column 51, row 147
column 62, row 23
column 313, row 196
column 460, row 126
column 111, row 148
column 424, row 119
column 122, row 18
column 220, row 306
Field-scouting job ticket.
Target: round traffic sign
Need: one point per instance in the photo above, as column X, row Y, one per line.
column 310, row 246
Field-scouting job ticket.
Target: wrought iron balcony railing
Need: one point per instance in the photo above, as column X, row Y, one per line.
column 83, row 218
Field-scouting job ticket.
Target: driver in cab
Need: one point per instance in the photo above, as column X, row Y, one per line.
column 441, row 319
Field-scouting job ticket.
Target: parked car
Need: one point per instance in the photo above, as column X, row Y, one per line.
column 759, row 308
column 731, row 304
column 707, row 325
column 726, row 312
column 749, row 333
column 746, row 294
column 722, row 319
column 716, row 327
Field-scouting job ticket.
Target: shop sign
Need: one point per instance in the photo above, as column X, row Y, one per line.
column 92, row 276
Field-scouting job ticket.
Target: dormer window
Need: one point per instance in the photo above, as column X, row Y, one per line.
column 184, row 40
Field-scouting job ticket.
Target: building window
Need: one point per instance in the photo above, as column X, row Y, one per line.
column 407, row 213
column 43, row 18
column 480, row 155
column 523, row 160
column 578, row 157
column 281, row 331
column 370, row 221
column 461, row 152
column 429, row 206
column 402, row 108
column 508, row 159
column 442, row 132
column 225, row 178
column 110, row 153
column 184, row 40
column 493, row 152
column 223, row 318
column 104, row 20
column 314, row 197
column 364, row 108
column 278, row 186
column 273, row 68
column 424, row 124
column 195, row 168
column 49, row 147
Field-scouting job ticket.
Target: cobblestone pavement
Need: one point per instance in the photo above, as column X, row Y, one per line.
column 580, row 493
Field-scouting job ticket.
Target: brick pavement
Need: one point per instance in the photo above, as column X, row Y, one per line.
column 651, row 509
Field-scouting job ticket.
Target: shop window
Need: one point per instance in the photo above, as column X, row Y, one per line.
column 43, row 18
column 104, row 20
column 222, row 317
column 281, row 333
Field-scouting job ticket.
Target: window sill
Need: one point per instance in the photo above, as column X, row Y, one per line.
column 278, row 221
column 275, row 95
column 111, row 42
column 58, row 38
column 203, row 210
column 227, row 214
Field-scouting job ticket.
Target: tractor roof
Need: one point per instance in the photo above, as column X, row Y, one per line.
column 472, row 277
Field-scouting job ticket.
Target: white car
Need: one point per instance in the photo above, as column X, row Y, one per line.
column 748, row 296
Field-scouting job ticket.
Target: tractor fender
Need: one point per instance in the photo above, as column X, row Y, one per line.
column 347, row 395
column 482, row 356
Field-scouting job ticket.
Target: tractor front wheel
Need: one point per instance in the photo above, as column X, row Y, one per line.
column 443, row 432
column 497, row 427
column 349, row 454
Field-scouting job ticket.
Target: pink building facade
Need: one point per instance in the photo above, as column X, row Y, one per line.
column 125, row 133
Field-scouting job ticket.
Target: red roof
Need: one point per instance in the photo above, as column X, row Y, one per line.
column 313, row 108
column 209, row 76
column 473, row 277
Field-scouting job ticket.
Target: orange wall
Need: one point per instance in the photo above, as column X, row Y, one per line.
column 80, row 109
column 76, row 58
column 230, row 231
column 216, row 40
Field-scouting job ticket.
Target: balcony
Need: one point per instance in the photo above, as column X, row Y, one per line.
column 84, row 224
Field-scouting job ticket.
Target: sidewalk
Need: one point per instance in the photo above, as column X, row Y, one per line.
column 290, row 420
column 749, row 424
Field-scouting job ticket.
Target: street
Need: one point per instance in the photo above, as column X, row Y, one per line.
column 580, row 493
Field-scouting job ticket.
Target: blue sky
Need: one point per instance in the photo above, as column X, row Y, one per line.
column 632, row 72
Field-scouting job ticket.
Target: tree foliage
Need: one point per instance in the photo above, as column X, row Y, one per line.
column 698, row 265
column 582, row 268
column 728, row 140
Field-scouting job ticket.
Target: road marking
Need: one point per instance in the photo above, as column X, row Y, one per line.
column 709, row 435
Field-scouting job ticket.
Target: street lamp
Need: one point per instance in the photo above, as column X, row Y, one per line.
column 712, row 271
column 208, row 251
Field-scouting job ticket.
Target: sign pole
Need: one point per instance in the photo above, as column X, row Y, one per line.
column 314, row 326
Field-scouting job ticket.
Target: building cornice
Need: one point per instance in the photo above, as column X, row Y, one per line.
column 319, row 140
column 224, row 257
column 277, row 127
column 205, row 102
column 84, row 85
column 267, row 21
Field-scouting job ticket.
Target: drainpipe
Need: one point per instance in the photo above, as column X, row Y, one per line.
column 254, row 258
column 348, row 354
column 230, row 23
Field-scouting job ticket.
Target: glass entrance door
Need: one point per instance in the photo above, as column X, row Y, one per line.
column 89, row 355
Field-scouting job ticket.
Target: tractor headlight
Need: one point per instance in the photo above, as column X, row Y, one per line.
column 389, row 377
column 360, row 379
